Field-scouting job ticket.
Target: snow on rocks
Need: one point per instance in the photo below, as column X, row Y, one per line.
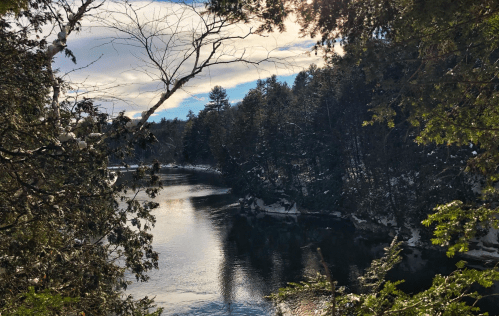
column 204, row 168
column 337, row 214
column 486, row 247
column 374, row 224
column 415, row 238
column 387, row 221
column 280, row 207
column 358, row 220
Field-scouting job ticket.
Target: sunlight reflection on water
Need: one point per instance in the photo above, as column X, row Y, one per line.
column 216, row 260
column 193, row 276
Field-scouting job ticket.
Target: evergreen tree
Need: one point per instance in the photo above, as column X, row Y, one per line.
column 218, row 99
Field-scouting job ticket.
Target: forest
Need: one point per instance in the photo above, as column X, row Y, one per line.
column 306, row 144
column 399, row 133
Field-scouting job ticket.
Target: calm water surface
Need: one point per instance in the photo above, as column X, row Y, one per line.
column 216, row 260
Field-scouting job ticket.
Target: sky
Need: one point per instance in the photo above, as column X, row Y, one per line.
column 117, row 73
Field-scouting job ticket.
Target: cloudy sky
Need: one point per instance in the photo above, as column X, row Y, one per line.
column 118, row 71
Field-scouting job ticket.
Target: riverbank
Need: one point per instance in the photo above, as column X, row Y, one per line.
column 201, row 168
column 482, row 248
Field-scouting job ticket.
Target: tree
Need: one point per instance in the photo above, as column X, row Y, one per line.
column 447, row 86
column 178, row 44
column 190, row 115
column 218, row 99
column 12, row 6
column 69, row 231
column 61, row 224
column 432, row 64
column 448, row 51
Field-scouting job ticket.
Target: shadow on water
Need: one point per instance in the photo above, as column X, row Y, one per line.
column 217, row 260
column 284, row 249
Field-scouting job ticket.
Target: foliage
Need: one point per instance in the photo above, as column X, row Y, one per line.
column 70, row 238
column 14, row 6
column 218, row 99
column 305, row 144
column 448, row 84
column 432, row 65
column 42, row 303
column 375, row 275
column 164, row 143
column 446, row 53
column 448, row 295
column 456, row 219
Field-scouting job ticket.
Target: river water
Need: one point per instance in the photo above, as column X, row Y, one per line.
column 217, row 260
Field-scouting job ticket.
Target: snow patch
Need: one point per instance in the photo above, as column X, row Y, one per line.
column 64, row 137
column 132, row 123
column 279, row 207
column 358, row 220
column 483, row 254
column 486, row 247
column 414, row 240
column 82, row 144
column 385, row 221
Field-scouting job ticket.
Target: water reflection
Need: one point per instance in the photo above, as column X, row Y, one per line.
column 215, row 260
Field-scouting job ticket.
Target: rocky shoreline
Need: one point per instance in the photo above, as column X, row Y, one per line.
column 483, row 248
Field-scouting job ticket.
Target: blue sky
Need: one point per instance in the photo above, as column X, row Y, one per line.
column 114, row 71
column 198, row 102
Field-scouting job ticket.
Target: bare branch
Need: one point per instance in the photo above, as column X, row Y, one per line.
column 177, row 42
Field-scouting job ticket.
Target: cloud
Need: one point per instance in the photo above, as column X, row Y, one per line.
column 118, row 72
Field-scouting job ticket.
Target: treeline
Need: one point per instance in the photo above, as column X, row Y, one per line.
column 163, row 144
column 309, row 143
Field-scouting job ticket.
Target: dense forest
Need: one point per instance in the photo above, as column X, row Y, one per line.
column 307, row 144
column 400, row 128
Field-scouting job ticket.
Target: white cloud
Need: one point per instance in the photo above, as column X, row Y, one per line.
column 116, row 66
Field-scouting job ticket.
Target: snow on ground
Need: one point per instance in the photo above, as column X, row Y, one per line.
column 276, row 208
column 204, row 168
column 358, row 220
column 414, row 240
column 487, row 246
column 483, row 254
column 385, row 221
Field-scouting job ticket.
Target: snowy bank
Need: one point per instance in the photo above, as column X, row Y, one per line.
column 282, row 206
column 202, row 168
column 486, row 247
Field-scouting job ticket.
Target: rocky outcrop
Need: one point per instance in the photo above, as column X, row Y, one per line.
column 257, row 205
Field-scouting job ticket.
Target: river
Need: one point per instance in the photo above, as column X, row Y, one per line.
column 217, row 260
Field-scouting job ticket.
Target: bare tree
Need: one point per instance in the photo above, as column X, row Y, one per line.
column 177, row 42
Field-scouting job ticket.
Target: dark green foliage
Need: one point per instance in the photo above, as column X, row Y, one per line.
column 448, row 295
column 68, row 235
column 42, row 303
column 428, row 69
column 206, row 135
column 307, row 145
column 218, row 100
